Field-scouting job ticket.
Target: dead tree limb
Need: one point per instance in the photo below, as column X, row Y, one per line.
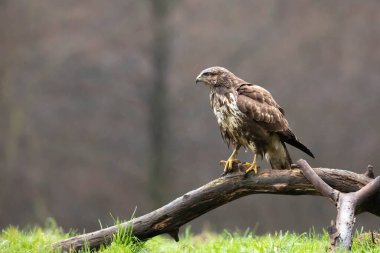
column 169, row 218
column 348, row 205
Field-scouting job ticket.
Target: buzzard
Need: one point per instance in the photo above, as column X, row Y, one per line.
column 249, row 117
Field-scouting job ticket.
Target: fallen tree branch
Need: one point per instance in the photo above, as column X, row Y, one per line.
column 169, row 218
column 348, row 205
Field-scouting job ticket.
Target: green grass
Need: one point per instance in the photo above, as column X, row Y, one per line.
column 14, row 240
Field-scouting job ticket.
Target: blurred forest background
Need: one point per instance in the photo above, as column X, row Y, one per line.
column 100, row 113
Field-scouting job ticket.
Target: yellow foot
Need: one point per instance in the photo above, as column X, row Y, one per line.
column 229, row 165
column 253, row 167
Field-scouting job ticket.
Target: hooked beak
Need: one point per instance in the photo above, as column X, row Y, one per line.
column 198, row 79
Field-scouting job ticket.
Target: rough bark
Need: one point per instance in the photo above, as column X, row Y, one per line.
column 348, row 205
column 169, row 218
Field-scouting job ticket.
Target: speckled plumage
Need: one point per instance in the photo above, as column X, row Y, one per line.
column 248, row 116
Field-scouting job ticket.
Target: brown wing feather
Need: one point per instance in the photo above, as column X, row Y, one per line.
column 258, row 104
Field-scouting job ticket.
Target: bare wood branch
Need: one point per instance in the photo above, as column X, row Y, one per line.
column 348, row 205
column 169, row 218
column 365, row 193
column 369, row 172
column 345, row 221
column 318, row 183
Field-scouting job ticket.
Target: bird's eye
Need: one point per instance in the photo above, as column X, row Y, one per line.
column 207, row 74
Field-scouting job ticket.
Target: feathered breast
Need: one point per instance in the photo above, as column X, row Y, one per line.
column 228, row 115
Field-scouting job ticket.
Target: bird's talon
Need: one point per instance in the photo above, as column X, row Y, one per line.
column 228, row 167
column 246, row 173
column 224, row 173
column 252, row 168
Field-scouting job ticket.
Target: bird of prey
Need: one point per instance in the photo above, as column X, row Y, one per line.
column 249, row 117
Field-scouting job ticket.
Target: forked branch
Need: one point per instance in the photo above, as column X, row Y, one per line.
column 348, row 206
column 169, row 218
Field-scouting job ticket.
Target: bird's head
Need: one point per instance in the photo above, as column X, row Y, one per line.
column 215, row 76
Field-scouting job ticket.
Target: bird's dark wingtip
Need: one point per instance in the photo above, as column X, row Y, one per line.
column 291, row 139
column 304, row 149
column 311, row 154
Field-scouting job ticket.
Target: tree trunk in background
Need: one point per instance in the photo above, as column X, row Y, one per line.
column 11, row 127
column 158, row 102
column 7, row 145
column 16, row 134
column 3, row 130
